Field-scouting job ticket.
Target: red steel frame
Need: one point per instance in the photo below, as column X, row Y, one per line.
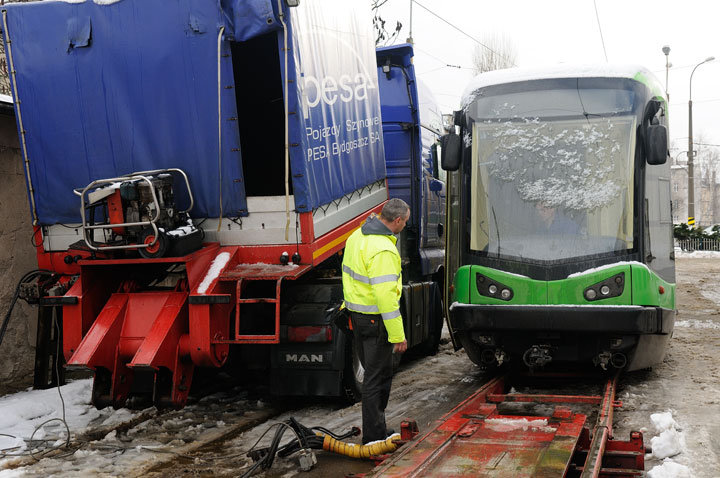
column 468, row 442
column 112, row 326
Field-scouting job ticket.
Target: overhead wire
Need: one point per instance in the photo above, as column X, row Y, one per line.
column 463, row 32
column 597, row 17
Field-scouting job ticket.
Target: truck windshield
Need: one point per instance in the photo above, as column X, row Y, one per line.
column 552, row 173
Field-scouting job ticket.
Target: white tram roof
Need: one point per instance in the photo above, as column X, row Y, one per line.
column 515, row 75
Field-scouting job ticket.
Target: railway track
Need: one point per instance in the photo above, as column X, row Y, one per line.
column 497, row 419
column 484, row 436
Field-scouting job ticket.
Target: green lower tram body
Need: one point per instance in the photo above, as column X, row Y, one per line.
column 616, row 316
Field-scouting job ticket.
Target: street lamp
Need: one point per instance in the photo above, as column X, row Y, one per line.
column 666, row 50
column 690, row 153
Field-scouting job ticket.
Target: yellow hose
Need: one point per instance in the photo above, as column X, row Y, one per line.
column 352, row 450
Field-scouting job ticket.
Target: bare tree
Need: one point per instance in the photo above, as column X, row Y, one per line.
column 4, row 79
column 382, row 35
column 496, row 52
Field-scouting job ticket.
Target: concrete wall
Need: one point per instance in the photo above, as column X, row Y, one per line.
column 17, row 256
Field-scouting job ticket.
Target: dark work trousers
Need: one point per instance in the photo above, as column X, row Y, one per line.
column 375, row 352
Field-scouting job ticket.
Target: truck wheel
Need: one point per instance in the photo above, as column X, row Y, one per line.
column 355, row 373
column 431, row 345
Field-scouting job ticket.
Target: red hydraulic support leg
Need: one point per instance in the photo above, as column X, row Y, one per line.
column 165, row 349
column 99, row 352
column 138, row 332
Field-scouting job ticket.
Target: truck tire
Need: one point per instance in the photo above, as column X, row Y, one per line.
column 431, row 345
column 355, row 372
column 353, row 375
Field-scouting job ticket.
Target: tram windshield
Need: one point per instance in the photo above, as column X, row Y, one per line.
column 552, row 172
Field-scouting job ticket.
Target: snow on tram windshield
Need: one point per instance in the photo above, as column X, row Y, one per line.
column 552, row 172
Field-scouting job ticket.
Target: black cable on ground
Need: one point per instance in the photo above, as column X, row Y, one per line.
column 30, row 276
column 305, row 438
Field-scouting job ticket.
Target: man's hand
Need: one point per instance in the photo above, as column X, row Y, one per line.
column 400, row 347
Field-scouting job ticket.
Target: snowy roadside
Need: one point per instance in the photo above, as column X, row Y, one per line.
column 39, row 414
column 107, row 442
column 680, row 254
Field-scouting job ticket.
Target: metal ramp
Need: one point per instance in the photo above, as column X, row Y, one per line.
column 475, row 440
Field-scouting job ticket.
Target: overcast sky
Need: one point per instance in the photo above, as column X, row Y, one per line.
column 566, row 31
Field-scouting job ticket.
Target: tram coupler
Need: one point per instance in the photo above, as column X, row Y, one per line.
column 537, row 356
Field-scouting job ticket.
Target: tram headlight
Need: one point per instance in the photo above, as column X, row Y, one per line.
column 488, row 287
column 611, row 287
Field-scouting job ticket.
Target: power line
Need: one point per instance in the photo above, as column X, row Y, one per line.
column 444, row 62
column 462, row 31
column 597, row 17
column 458, row 67
column 709, row 100
column 429, row 54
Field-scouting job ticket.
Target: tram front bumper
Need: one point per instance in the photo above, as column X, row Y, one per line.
column 636, row 320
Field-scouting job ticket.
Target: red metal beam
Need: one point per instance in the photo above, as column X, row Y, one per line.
column 474, row 439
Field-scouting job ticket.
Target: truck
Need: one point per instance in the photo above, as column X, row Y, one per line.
column 193, row 171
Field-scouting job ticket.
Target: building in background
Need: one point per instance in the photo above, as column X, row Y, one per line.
column 707, row 188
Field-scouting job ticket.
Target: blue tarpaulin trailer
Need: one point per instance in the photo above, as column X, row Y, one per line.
column 272, row 114
column 104, row 88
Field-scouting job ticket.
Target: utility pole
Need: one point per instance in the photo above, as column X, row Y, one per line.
column 410, row 38
column 691, row 153
column 666, row 50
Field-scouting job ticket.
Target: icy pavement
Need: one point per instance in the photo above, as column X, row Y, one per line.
column 107, row 442
column 23, row 414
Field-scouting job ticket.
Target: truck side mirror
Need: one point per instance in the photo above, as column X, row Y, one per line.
column 451, row 152
column 656, row 144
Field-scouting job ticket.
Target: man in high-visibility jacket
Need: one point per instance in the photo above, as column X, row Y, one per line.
column 372, row 285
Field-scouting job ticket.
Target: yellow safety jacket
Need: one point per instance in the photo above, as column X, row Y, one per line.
column 372, row 277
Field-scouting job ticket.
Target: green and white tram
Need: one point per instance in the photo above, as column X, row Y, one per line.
column 559, row 235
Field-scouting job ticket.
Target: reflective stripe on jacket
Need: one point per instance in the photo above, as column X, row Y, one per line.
column 372, row 277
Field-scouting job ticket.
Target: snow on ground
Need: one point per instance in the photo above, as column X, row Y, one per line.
column 121, row 452
column 697, row 254
column 668, row 445
column 24, row 413
column 697, row 324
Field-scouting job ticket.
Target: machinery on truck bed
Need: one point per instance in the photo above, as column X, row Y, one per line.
column 270, row 114
column 560, row 233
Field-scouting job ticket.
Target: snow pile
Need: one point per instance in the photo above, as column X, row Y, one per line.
column 697, row 254
column 216, row 267
column 22, row 413
column 697, row 324
column 670, row 441
column 510, row 424
column 663, row 421
column 670, row 469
